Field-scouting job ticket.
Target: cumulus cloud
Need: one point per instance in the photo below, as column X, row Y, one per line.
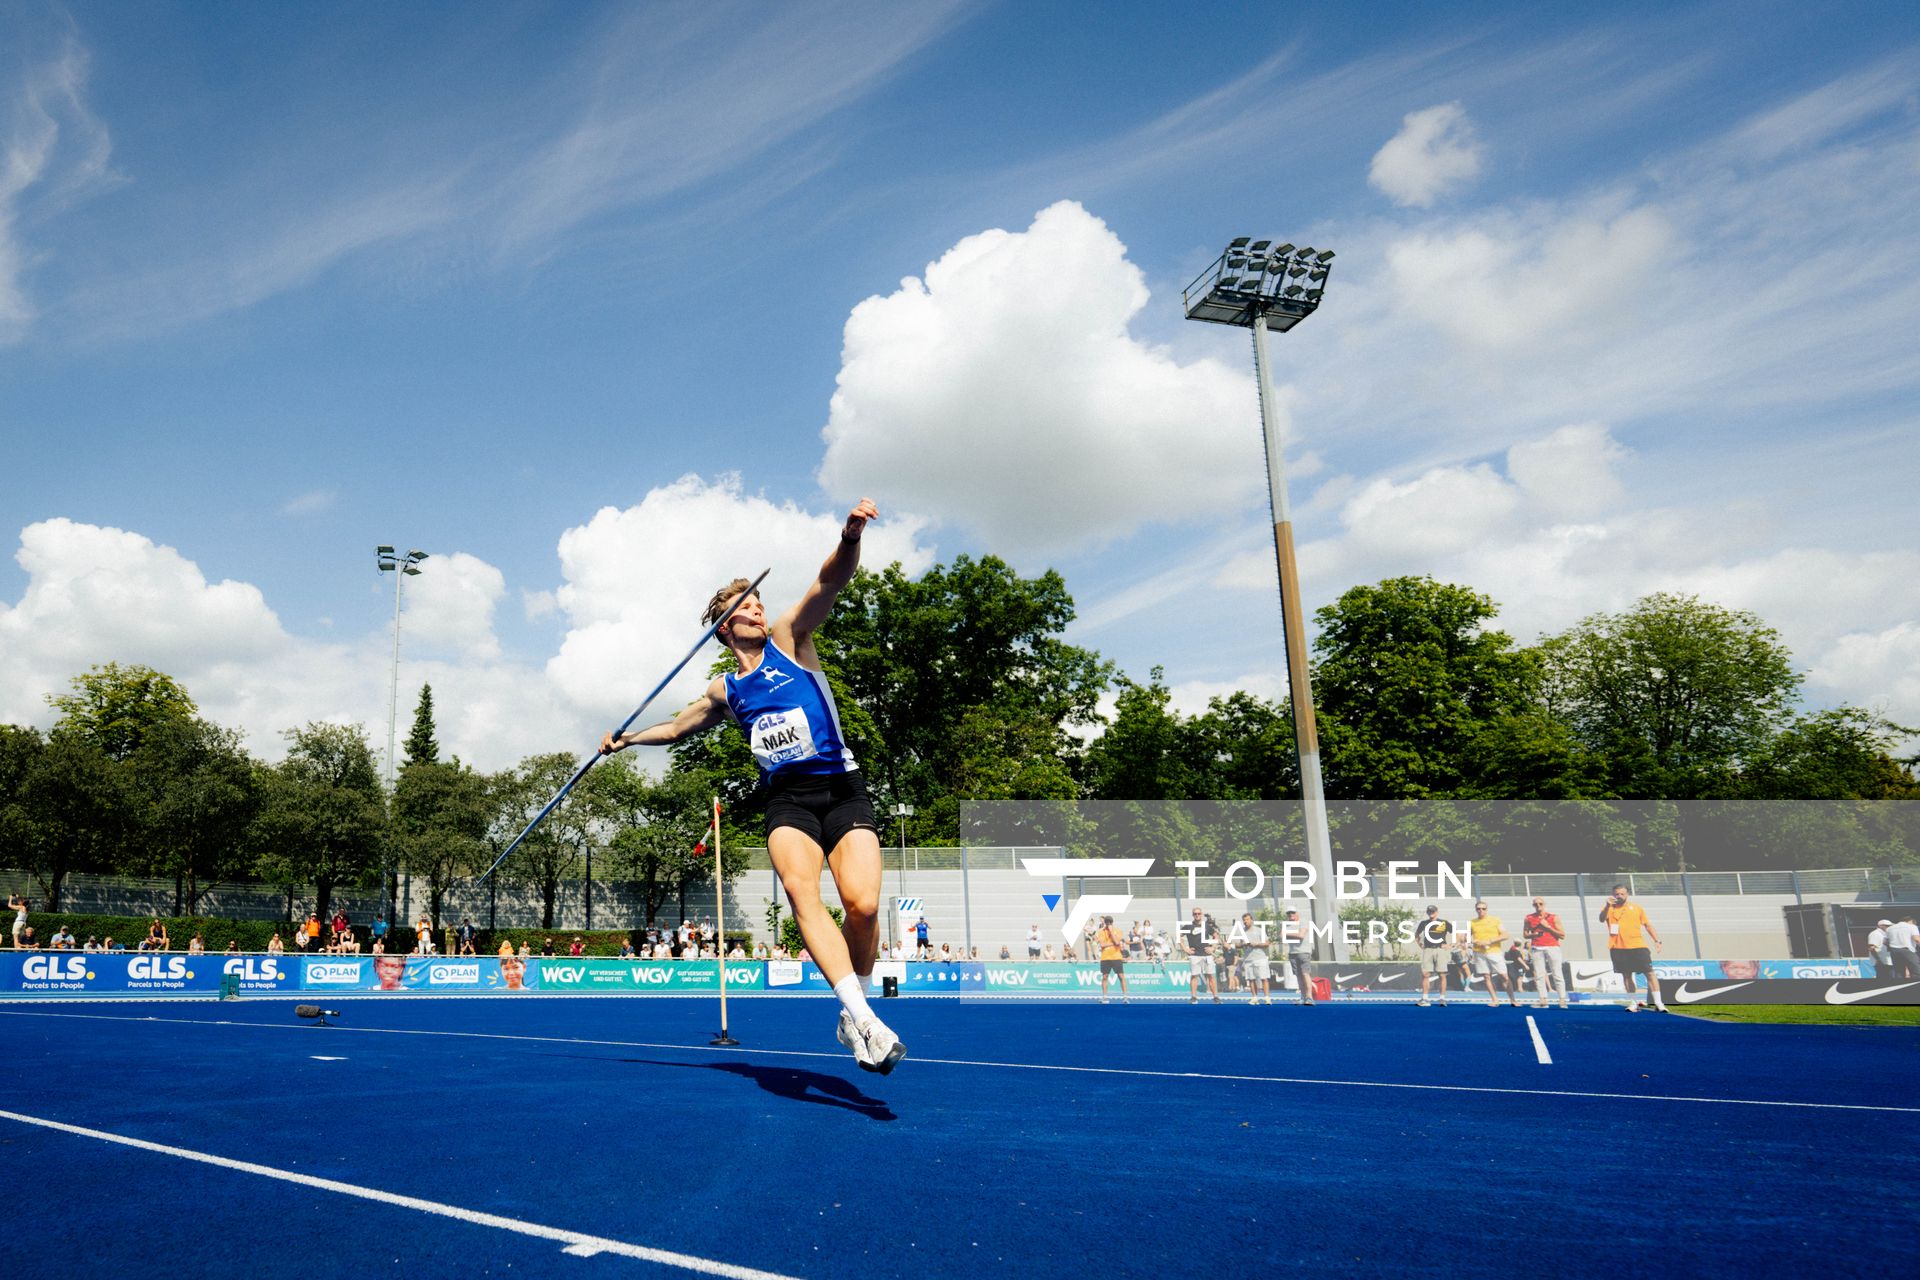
column 1003, row 393
column 450, row 604
column 1551, row 535
column 1434, row 154
column 637, row 579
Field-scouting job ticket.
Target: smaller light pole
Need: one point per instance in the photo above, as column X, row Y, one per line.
column 400, row 566
column 902, row 812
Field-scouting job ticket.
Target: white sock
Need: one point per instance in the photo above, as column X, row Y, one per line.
column 854, row 999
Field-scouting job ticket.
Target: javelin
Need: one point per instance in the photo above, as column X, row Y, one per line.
column 594, row 759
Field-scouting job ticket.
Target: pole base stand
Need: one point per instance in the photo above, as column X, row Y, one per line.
column 723, row 1040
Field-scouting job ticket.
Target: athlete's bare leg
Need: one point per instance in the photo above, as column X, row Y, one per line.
column 856, row 868
column 797, row 858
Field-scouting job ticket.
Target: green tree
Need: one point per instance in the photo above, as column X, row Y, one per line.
column 556, row 850
column 1675, row 694
column 1241, row 748
column 197, row 793
column 76, row 806
column 1840, row 754
column 20, row 751
column 422, row 748
column 1141, row 755
column 920, row 654
column 441, row 814
column 115, row 707
column 324, row 819
column 1407, row 675
column 658, row 830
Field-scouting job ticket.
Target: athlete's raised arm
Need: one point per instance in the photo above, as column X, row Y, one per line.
column 709, row 709
column 796, row 626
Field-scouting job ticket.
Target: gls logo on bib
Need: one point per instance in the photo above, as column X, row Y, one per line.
column 781, row 737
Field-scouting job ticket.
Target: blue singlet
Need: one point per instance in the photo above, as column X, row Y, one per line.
column 789, row 717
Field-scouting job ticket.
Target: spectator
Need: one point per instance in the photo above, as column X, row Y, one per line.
column 62, row 940
column 1435, row 937
column 1878, row 953
column 546, row 946
column 313, row 931
column 974, row 954
column 339, row 922
column 1461, row 961
column 300, row 936
column 946, row 953
column 1006, row 952
column 157, row 939
column 17, row 905
column 92, row 944
column 526, row 952
column 1627, row 932
column 923, row 947
column 350, row 943
column 274, row 945
column 1298, row 940
column 1113, row 958
column 577, row 947
column 1253, row 959
column 506, row 949
column 1903, row 944
column 379, row 947
column 233, row 946
column 423, row 938
column 108, row 944
column 1518, row 974
column 626, row 948
column 378, row 931
column 1488, row 962
column 1544, row 937
column 466, row 934
column 1045, row 954
column 1033, row 940
column 1086, row 943
column 1197, row 941
column 196, row 945
column 26, row 941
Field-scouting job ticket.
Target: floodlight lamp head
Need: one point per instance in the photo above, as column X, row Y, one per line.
column 416, row 555
column 1259, row 246
column 1283, row 250
column 385, row 551
column 1305, row 253
column 415, row 572
column 1325, row 256
column 388, row 566
column 1239, row 242
column 1291, row 291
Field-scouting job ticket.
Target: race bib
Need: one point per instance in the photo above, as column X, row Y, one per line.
column 781, row 737
column 1613, row 928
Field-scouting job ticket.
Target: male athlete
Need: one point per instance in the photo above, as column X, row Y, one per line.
column 817, row 806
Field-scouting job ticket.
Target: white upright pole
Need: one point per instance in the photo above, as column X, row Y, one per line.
column 393, row 718
column 1299, row 686
column 720, row 924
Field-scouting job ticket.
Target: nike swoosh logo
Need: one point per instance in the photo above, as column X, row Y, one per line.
column 1837, row 996
column 1389, row 977
column 1342, row 977
column 1685, row 996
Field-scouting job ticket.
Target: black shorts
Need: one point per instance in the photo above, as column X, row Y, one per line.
column 1112, row 966
column 825, row 806
column 1632, row 960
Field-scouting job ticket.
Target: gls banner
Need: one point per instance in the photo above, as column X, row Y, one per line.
column 109, row 973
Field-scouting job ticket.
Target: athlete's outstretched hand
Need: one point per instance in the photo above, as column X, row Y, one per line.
column 610, row 743
column 857, row 519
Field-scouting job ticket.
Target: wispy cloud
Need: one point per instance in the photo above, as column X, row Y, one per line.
column 52, row 151
column 308, row 504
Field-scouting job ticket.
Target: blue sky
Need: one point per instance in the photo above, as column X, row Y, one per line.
column 600, row 304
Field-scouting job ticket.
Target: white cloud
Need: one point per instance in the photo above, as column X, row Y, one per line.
column 308, row 504
column 638, row 578
column 449, row 605
column 1434, row 154
column 52, row 150
column 1004, row 394
column 1570, row 471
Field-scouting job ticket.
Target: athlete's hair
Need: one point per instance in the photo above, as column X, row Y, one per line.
column 723, row 597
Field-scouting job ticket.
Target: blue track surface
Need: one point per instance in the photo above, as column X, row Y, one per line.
column 1018, row 1138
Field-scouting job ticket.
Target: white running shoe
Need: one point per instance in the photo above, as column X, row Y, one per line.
column 1424, row 1002
column 849, row 1035
column 884, row 1049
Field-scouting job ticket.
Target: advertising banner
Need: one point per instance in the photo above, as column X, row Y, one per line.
column 111, row 973
column 1791, row 991
column 1739, row 970
column 414, row 973
column 622, row 976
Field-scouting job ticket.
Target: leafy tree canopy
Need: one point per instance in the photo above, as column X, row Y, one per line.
column 115, row 707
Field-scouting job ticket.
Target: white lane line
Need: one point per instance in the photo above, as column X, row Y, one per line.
column 323, row 1057
column 1539, row 1045
column 1033, row 1066
column 577, row 1243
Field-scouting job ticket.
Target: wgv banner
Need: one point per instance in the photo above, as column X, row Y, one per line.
column 615, row 977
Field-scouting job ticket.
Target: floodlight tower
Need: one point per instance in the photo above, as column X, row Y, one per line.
column 1259, row 285
column 401, row 566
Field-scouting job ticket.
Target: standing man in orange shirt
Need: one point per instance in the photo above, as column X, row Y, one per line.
column 1627, row 932
column 1113, row 957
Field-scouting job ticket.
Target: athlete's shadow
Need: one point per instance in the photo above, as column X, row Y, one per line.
column 792, row 1084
